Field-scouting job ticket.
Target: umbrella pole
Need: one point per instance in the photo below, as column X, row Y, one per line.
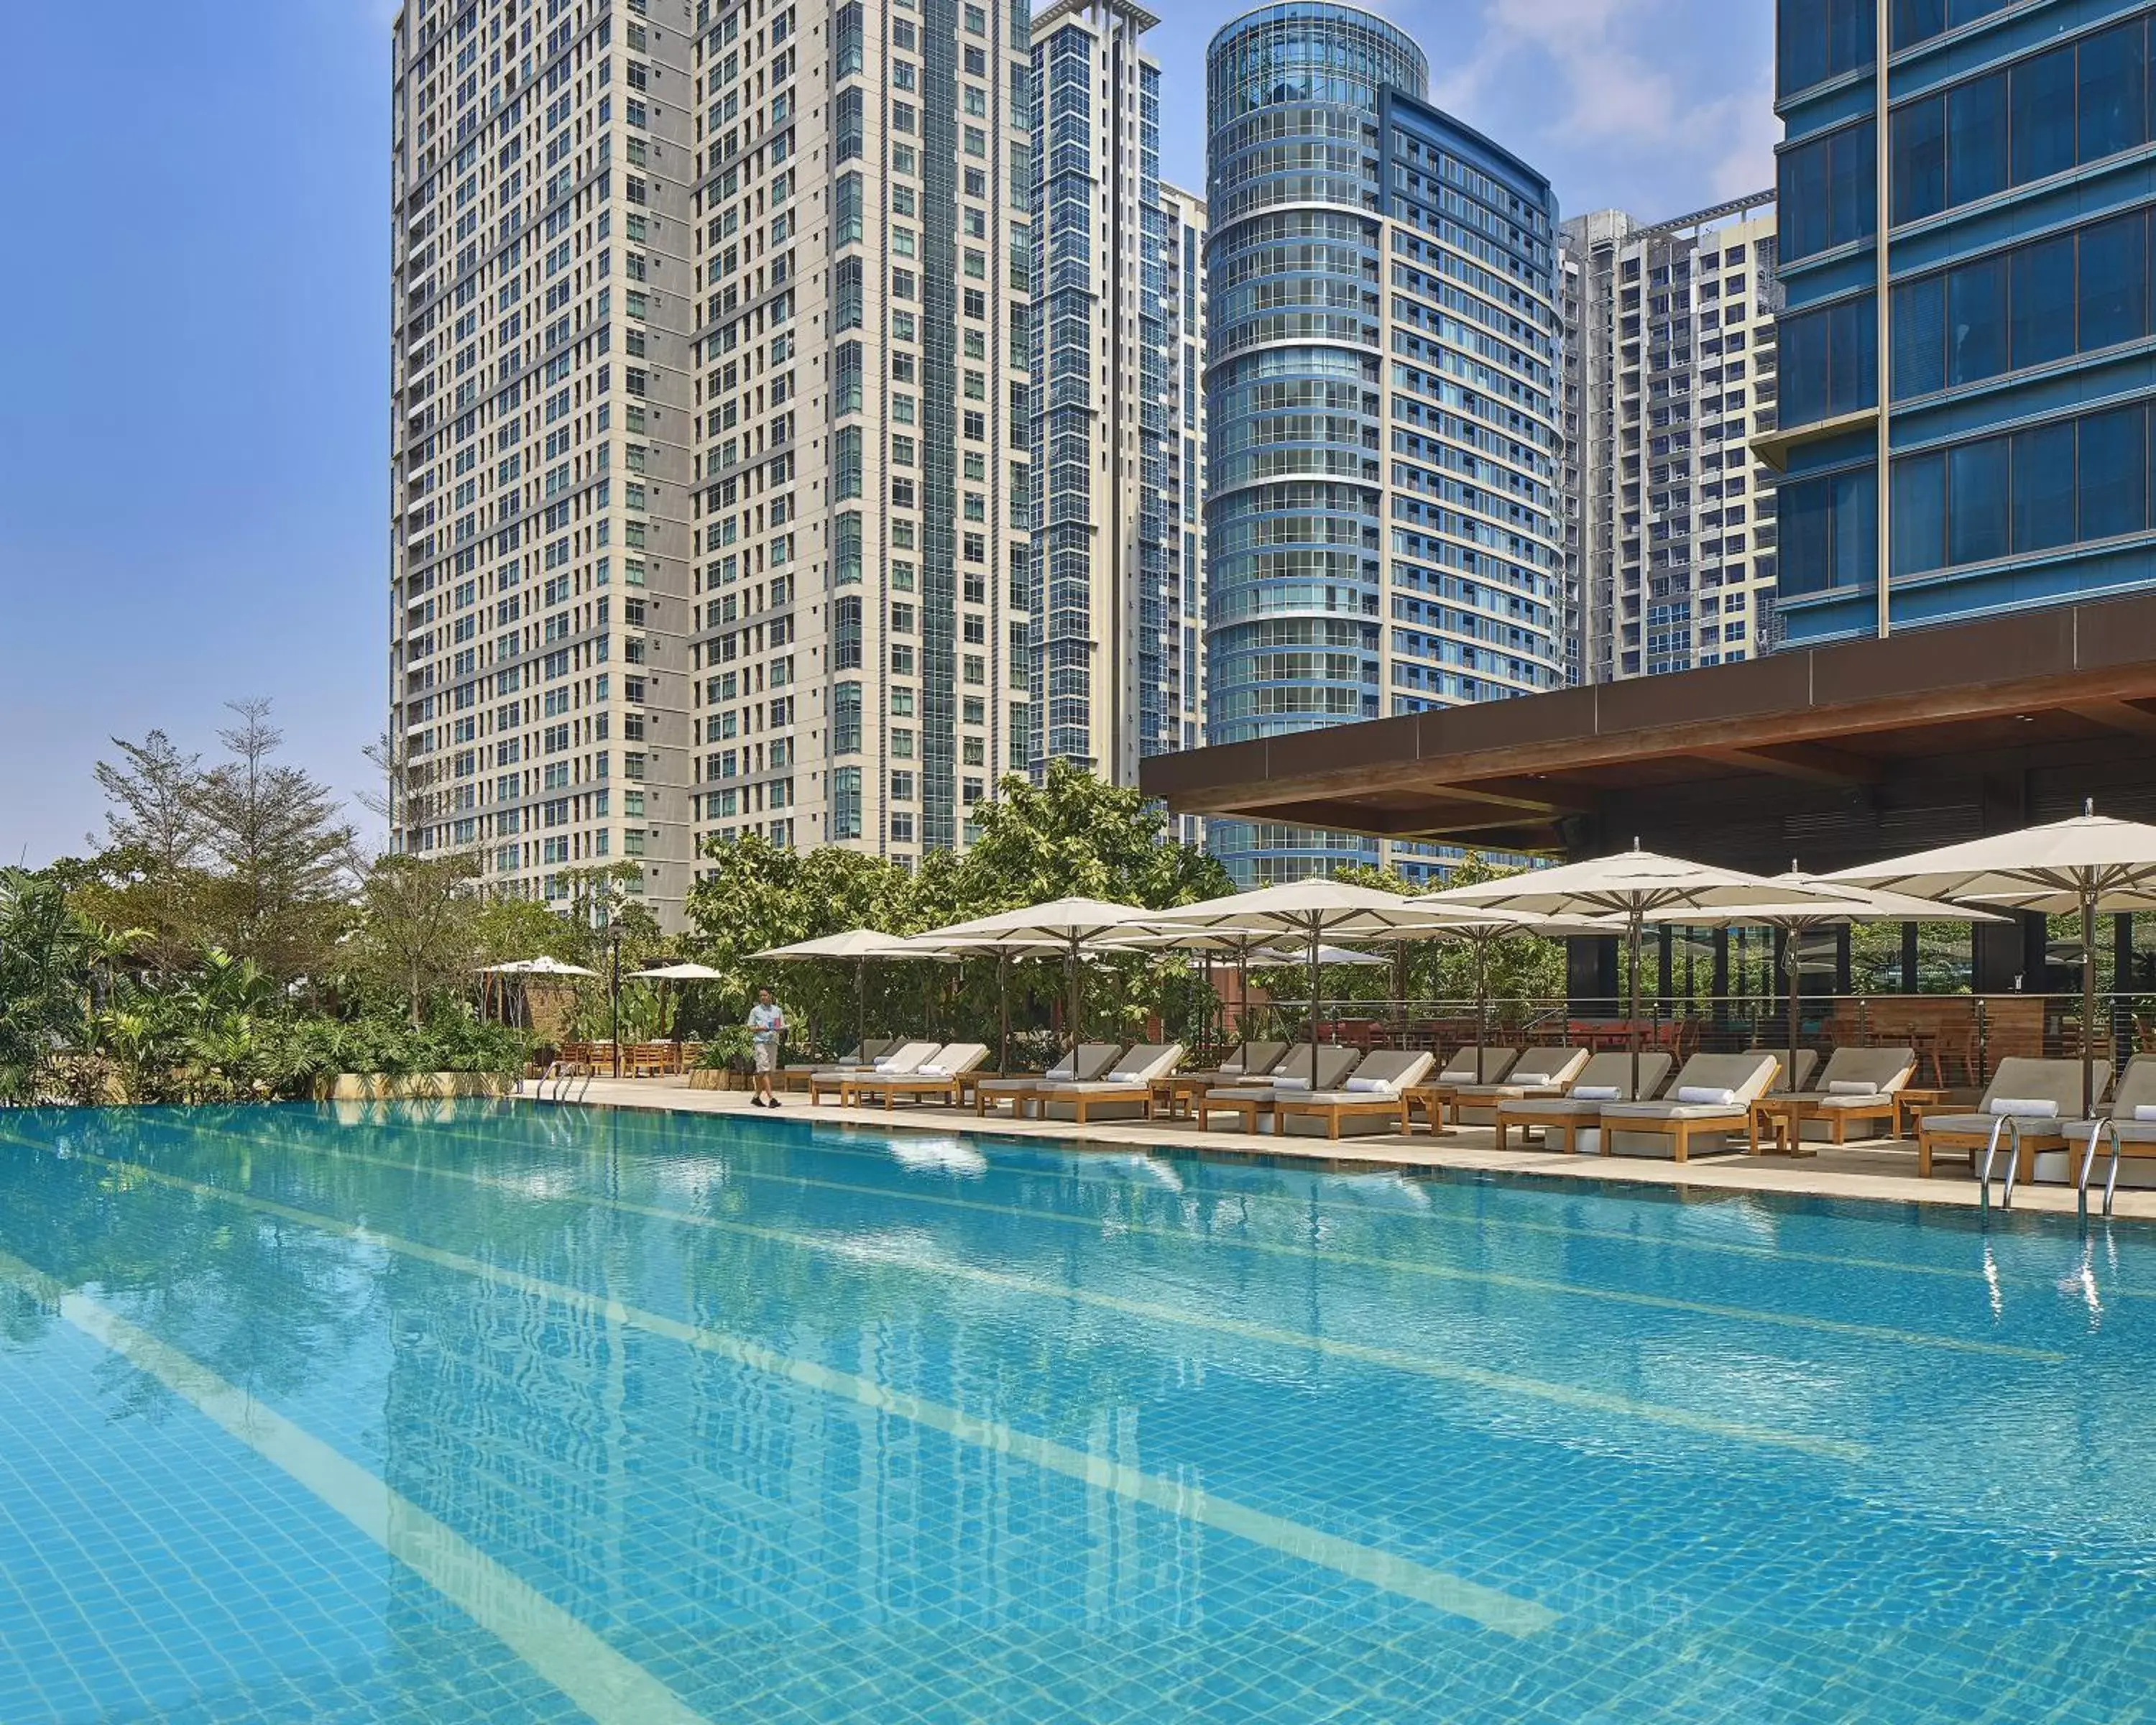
column 1243, row 997
column 1313, row 1003
column 861, row 1004
column 2088, row 999
column 1481, row 1000
column 1632, row 940
column 1796, row 977
column 1077, row 982
column 1002, row 1011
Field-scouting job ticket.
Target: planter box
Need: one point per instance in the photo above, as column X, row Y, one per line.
column 383, row 1087
column 714, row 1078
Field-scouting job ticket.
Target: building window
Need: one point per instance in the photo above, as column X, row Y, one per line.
column 1829, row 531
column 1826, row 191
column 1830, row 361
column 2076, row 292
column 845, row 803
column 846, row 462
column 2074, row 481
column 1819, row 39
column 846, row 719
column 846, row 633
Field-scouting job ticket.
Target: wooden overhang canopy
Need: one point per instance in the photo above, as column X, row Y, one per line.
column 1832, row 750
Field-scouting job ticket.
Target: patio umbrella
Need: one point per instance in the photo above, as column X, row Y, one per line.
column 1799, row 917
column 682, row 972
column 1069, row 925
column 1630, row 886
column 2090, row 864
column 1313, row 910
column 859, row 944
column 1480, row 927
column 543, row 966
column 1006, row 948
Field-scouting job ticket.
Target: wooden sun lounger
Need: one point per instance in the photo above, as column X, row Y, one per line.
column 2018, row 1077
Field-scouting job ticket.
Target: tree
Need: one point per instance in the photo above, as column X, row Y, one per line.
column 48, row 952
column 152, row 869
column 1076, row 835
column 418, row 926
column 285, row 855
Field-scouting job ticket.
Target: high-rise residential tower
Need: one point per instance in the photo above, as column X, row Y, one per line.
column 542, row 423
column 1993, row 355
column 1116, row 422
column 1668, row 372
column 1381, row 346
column 860, row 522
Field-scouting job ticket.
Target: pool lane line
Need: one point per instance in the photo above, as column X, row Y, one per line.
column 1273, row 1200
column 1920, row 1339
column 1451, row 1595
column 607, row 1685
column 1564, row 1395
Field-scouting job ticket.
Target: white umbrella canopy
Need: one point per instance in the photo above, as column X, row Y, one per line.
column 2089, row 863
column 859, row 945
column 683, row 973
column 537, row 966
column 1314, row 910
column 1068, row 927
column 1799, row 912
column 1630, row 886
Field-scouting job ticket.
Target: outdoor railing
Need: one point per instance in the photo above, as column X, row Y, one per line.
column 1960, row 1039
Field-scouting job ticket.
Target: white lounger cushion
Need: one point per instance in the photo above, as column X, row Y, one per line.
column 1707, row 1097
column 2024, row 1108
column 1850, row 1088
column 1374, row 1087
column 1596, row 1092
column 1290, row 1084
column 1464, row 1074
column 2141, row 1111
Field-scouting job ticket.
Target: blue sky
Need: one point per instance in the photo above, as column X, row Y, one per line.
column 193, row 429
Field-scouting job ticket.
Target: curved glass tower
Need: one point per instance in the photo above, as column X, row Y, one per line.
column 1381, row 516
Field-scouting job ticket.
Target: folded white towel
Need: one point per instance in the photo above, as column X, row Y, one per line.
column 1707, row 1096
column 2025, row 1107
column 1594, row 1092
column 929, row 1072
column 1123, row 1075
column 1290, row 1084
column 2141, row 1111
column 1374, row 1087
column 883, row 1066
column 1464, row 1075
column 1850, row 1088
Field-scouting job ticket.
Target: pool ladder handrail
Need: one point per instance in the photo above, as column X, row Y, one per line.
column 2010, row 1126
column 2108, row 1123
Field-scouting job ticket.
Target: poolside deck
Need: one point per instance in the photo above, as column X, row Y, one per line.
column 1884, row 1170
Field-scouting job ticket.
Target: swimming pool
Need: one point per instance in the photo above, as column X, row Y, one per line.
column 495, row 1412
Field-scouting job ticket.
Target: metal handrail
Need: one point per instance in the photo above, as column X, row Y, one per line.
column 2009, row 1125
column 2109, row 1124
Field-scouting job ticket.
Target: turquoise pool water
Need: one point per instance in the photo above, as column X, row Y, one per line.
column 506, row 1413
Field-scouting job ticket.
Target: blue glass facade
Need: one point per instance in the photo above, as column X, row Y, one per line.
column 2015, row 366
column 1381, row 506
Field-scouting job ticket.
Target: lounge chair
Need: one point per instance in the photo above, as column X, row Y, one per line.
column 1607, row 1078
column 1537, row 1072
column 1375, row 1100
column 906, row 1057
column 2132, row 1110
column 1793, row 1081
column 943, row 1078
column 1856, row 1084
column 1244, row 1063
column 1711, row 1097
column 795, row 1075
column 1126, row 1093
column 1089, row 1059
column 1243, row 1102
column 2041, row 1097
column 1463, row 1066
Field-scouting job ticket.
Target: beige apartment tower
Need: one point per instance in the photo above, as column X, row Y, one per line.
column 1670, row 371
column 710, row 427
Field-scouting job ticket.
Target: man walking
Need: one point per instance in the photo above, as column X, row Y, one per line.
column 768, row 1023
